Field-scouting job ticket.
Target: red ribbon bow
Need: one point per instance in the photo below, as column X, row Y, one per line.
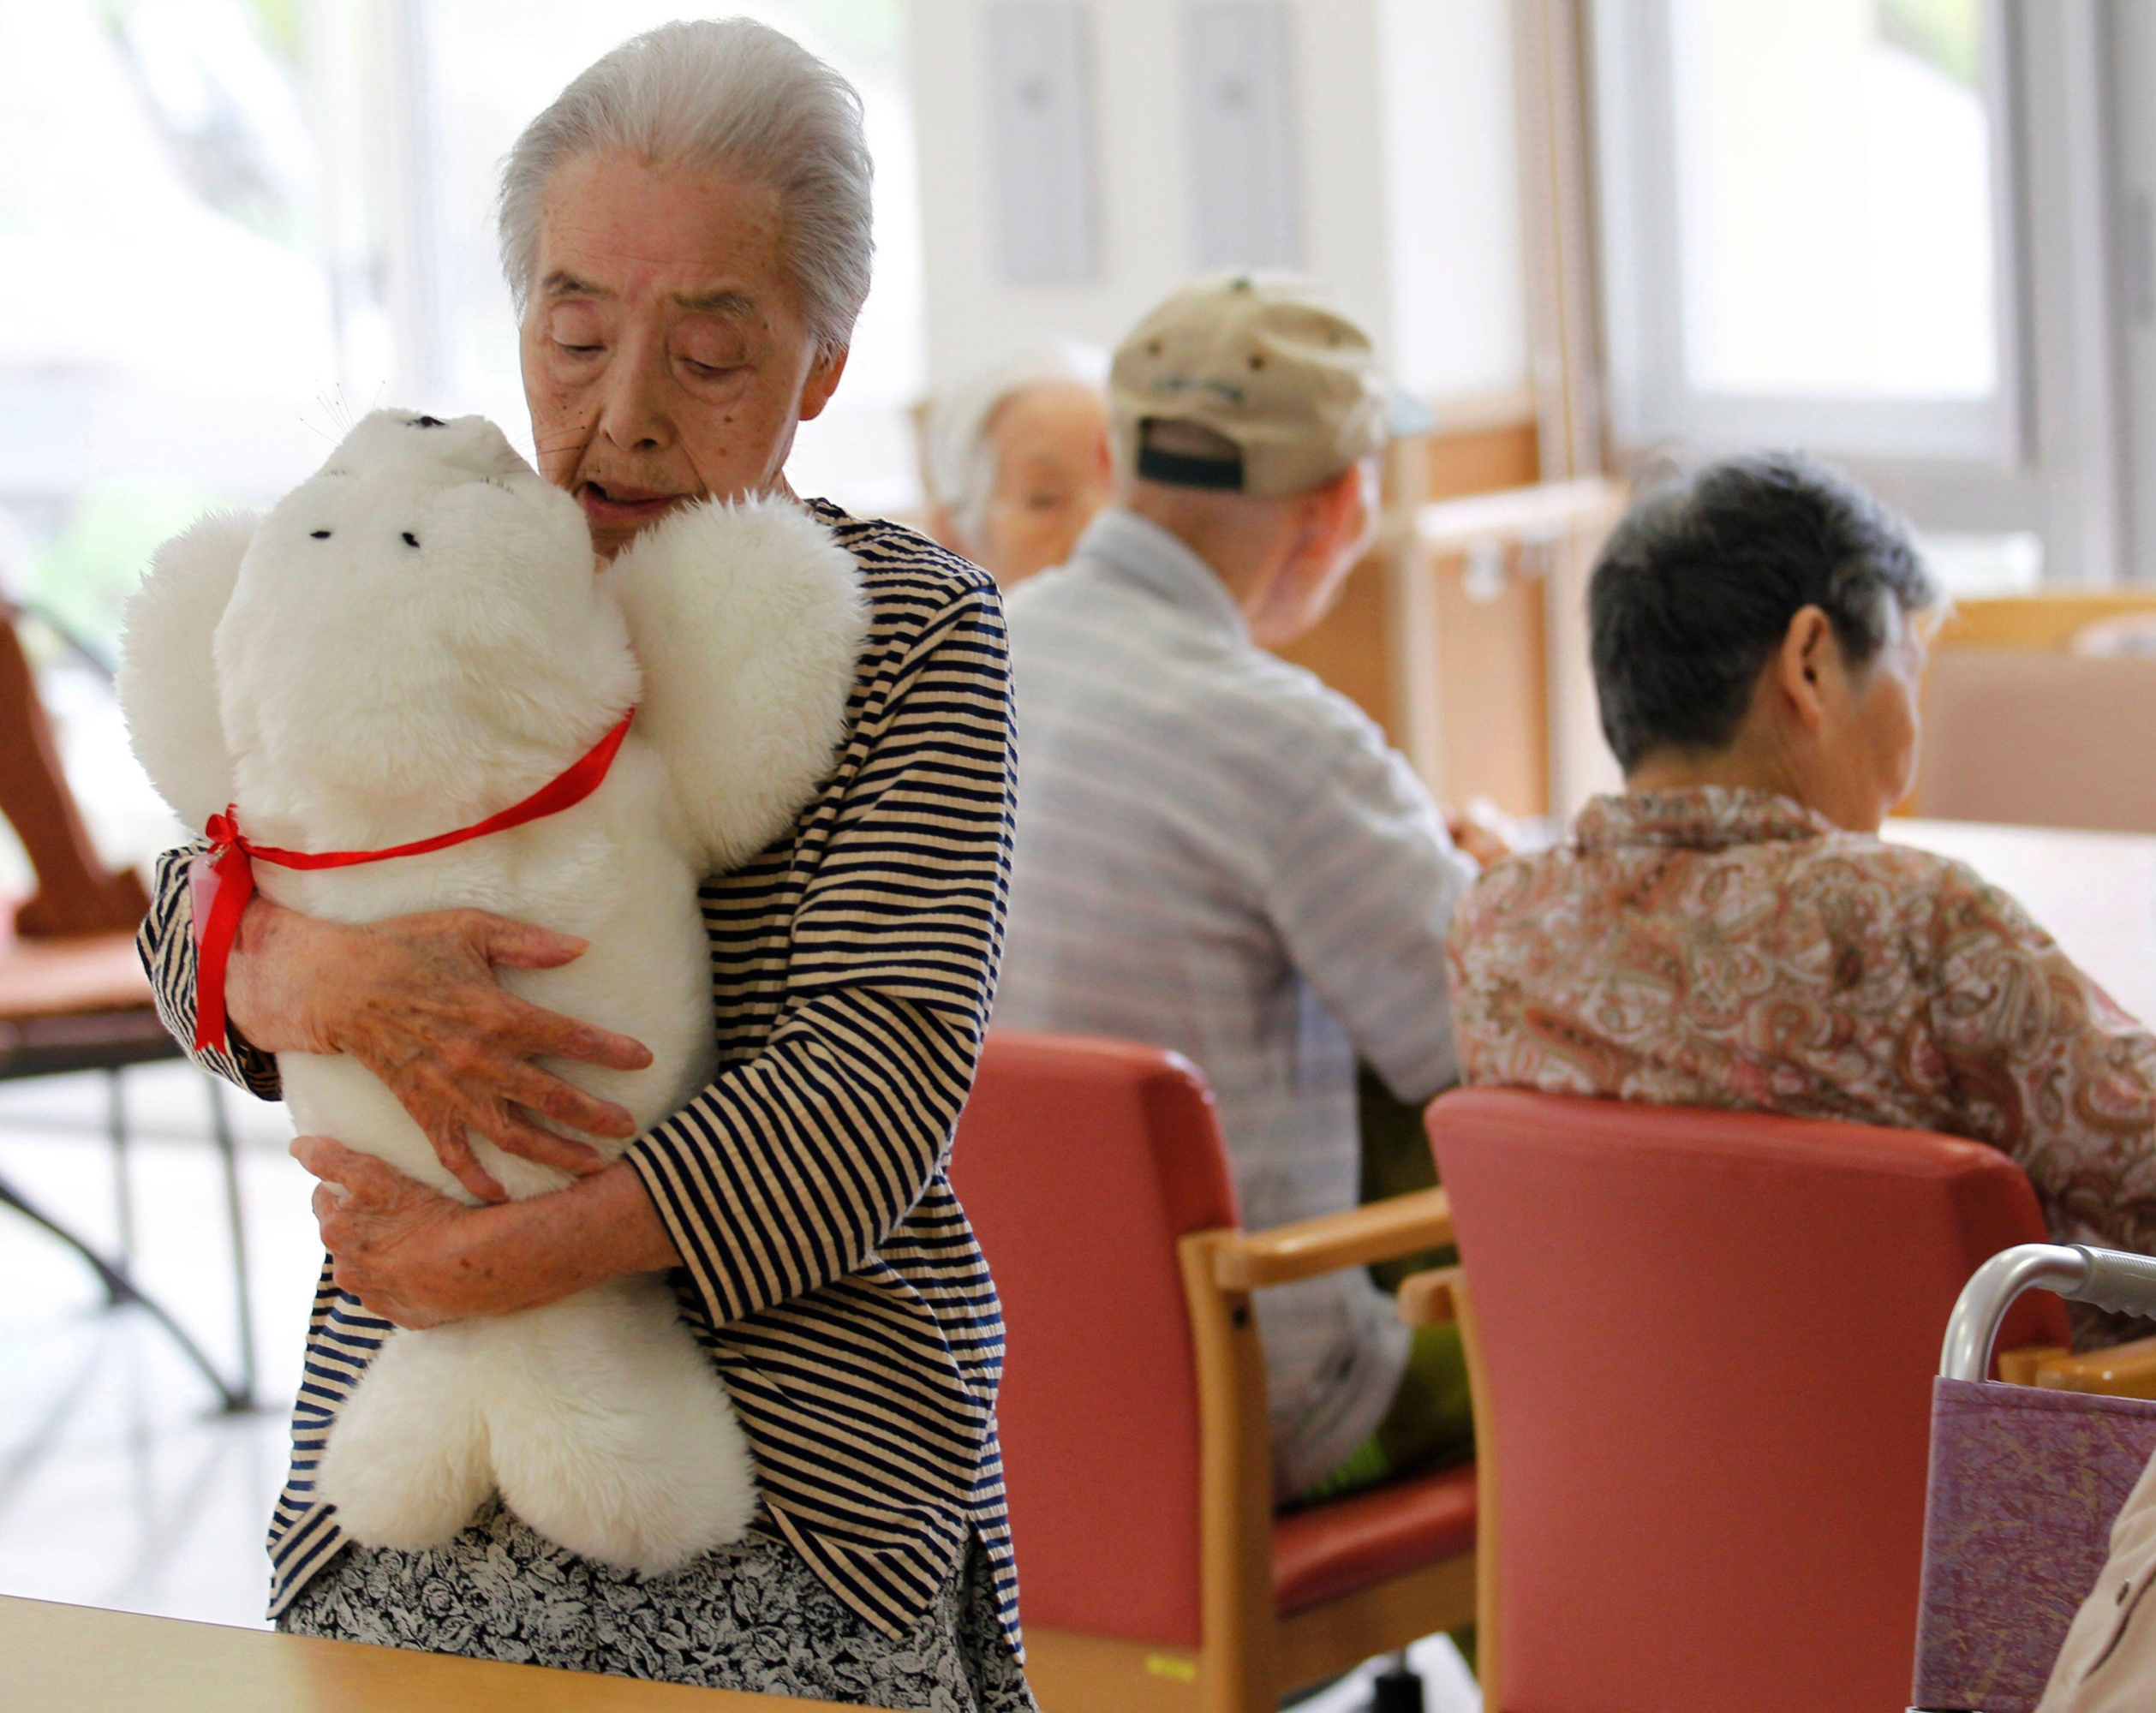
column 231, row 857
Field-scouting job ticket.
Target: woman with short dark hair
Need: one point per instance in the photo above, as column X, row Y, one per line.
column 1699, row 586
column 1732, row 931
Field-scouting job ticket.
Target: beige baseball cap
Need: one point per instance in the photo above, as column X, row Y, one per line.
column 1263, row 363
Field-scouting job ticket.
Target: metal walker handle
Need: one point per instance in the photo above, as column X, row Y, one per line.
column 2110, row 1278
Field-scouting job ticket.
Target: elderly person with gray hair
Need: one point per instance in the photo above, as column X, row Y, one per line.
column 1017, row 460
column 686, row 231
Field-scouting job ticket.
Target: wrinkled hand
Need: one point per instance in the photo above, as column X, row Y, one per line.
column 399, row 1247
column 421, row 1259
column 414, row 999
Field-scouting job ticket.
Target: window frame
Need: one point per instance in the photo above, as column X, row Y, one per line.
column 1652, row 397
column 2057, row 468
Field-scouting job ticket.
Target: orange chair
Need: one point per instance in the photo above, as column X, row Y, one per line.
column 1703, row 1345
column 1153, row 1573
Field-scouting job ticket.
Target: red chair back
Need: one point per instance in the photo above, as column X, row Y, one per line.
column 1707, row 1343
column 1082, row 1163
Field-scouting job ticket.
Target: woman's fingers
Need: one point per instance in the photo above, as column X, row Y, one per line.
column 413, row 999
column 335, row 1165
column 476, row 1092
column 513, row 1132
column 549, row 1032
column 566, row 1104
column 520, row 945
column 485, row 1104
column 452, row 1147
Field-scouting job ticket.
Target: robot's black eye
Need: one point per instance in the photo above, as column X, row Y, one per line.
column 429, row 422
column 320, row 534
column 410, row 539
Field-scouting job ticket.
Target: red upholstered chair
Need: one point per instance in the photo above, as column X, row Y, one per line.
column 1153, row 1571
column 1703, row 1345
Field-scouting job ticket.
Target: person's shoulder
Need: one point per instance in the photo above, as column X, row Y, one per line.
column 1047, row 594
column 1907, row 874
column 1073, row 609
column 1292, row 704
column 1955, row 897
column 901, row 569
column 1528, row 884
column 1927, row 899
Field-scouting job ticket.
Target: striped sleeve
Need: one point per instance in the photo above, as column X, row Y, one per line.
column 793, row 1168
column 166, row 943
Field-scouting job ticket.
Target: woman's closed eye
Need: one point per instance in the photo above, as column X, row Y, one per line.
column 711, row 368
column 710, row 353
column 576, row 330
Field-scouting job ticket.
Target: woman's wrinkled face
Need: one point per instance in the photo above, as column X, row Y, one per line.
column 1050, row 447
column 666, row 353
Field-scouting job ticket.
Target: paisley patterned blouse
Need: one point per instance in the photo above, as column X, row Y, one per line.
column 1730, row 948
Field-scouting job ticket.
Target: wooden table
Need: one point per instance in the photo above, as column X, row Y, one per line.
column 2095, row 892
column 78, row 1659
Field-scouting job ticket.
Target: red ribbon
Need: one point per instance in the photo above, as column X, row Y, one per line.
column 232, row 855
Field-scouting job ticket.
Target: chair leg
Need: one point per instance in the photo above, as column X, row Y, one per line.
column 236, row 1221
column 116, row 1114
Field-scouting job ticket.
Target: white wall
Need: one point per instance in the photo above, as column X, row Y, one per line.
column 1456, row 282
column 1408, row 195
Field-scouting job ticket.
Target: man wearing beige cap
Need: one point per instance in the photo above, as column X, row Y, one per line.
column 1217, row 854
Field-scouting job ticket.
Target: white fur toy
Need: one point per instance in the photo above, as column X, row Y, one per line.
column 410, row 642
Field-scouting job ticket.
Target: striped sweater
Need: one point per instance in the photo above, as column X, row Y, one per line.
column 829, row 1270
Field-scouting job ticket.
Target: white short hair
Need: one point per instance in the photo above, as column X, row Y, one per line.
column 962, row 472
column 728, row 94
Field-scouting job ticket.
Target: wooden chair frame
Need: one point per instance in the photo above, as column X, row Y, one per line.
column 1429, row 1300
column 2124, row 1371
column 1250, row 1655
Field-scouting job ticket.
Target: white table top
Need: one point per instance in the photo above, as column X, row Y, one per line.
column 2095, row 892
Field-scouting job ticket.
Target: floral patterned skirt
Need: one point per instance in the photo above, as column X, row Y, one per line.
column 750, row 1616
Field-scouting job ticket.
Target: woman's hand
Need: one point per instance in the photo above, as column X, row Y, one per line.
column 413, row 999
column 419, row 1259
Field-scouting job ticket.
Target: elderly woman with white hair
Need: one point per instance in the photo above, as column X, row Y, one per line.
column 1019, row 461
column 686, row 231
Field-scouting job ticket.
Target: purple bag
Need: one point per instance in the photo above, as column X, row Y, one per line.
column 2024, row 1486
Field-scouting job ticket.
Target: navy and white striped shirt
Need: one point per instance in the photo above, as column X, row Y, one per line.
column 830, row 1271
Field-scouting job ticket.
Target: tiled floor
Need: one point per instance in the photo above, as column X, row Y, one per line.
column 121, row 1483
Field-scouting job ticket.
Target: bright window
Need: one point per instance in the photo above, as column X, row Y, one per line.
column 1804, row 229
column 1834, row 159
column 229, row 228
